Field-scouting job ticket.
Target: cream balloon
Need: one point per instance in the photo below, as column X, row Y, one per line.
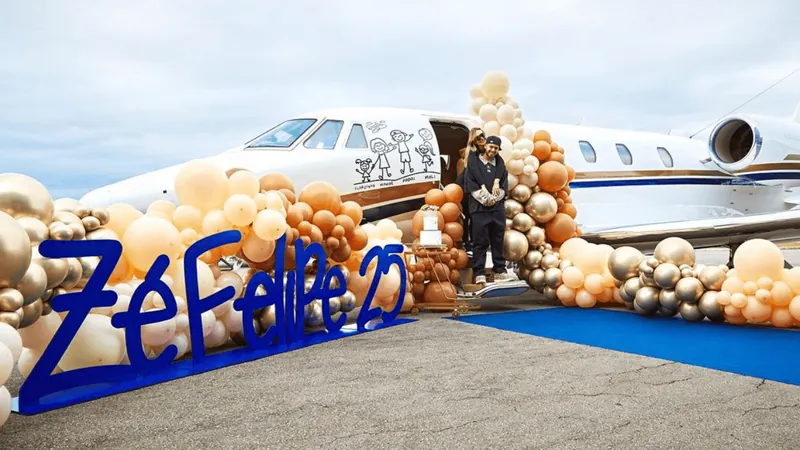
column 122, row 216
column 758, row 258
column 11, row 338
column 187, row 216
column 5, row 405
column 269, row 225
column 475, row 91
column 202, row 184
column 159, row 333
column 495, row 85
column 147, row 238
column 38, row 335
column 488, row 113
column 491, row 128
column 505, row 116
column 244, row 182
column 205, row 278
column 240, row 209
column 508, row 132
column 6, row 363
column 97, row 343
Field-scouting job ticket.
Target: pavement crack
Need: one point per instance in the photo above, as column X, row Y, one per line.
column 769, row 408
column 670, row 382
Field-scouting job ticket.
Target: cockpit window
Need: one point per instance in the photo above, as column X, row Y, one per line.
column 326, row 135
column 357, row 138
column 284, row 135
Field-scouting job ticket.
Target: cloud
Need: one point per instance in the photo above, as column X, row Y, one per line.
column 91, row 92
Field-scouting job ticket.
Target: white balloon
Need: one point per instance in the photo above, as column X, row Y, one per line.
column 27, row 360
column 6, row 363
column 532, row 161
column 181, row 322
column 505, row 115
column 509, row 132
column 181, row 341
column 159, row 333
column 38, row 335
column 10, row 336
column 488, row 112
column 208, row 319
column 506, row 145
column 518, row 122
column 5, row 405
column 475, row 91
column 527, row 133
column 233, row 321
column 97, row 343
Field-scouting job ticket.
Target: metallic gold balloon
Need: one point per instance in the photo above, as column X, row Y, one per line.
column 82, row 211
column 23, row 196
column 675, row 250
column 347, row 301
column 624, row 294
column 669, row 300
column 346, row 274
column 11, row 299
column 536, row 278
column 536, row 236
column 651, row 261
column 548, row 246
column 15, row 250
column 537, row 188
column 31, row 313
column 78, row 231
column 515, row 245
column 60, row 231
column 666, row 275
column 522, row 222
column 646, row 269
column 74, row 273
column 552, row 277
column 335, row 304
column 550, row 261
column 523, row 272
column 512, row 208
column 550, row 294
column 646, row 301
column 66, row 217
column 632, row 286
column 564, row 264
column 102, row 215
column 709, row 307
column 542, row 207
column 36, row 229
column 91, row 223
column 65, row 204
column 11, row 318
column 689, row 290
column 687, row 273
column 46, row 308
column 33, row 285
column 238, row 338
column 56, row 269
column 532, row 259
column 690, row 312
column 267, row 317
column 314, row 317
column 623, row 263
column 521, row 193
column 648, row 281
column 712, row 278
column 509, row 224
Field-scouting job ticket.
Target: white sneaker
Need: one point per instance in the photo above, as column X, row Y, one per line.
column 502, row 277
column 480, row 279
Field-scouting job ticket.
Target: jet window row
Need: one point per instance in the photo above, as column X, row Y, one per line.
column 624, row 154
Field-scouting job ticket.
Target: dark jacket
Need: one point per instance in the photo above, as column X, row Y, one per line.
column 477, row 174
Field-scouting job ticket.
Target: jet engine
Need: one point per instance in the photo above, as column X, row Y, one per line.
column 738, row 142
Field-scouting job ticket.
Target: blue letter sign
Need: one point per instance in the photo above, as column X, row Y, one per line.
column 44, row 391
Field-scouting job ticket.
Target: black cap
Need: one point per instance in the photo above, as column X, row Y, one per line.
column 493, row 140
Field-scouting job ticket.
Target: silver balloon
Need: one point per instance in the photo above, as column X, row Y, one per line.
column 15, row 249
column 552, row 277
column 512, row 208
column 347, row 302
column 88, row 266
column 675, row 250
column 33, row 285
column 536, row 278
column 542, row 207
column 532, row 259
column 36, row 229
column 31, row 313
column 712, row 278
column 632, row 286
column 346, row 274
column 564, row 264
column 690, row 312
column 74, row 273
column 623, row 263
column 11, row 300
column 666, row 275
column 515, row 246
column 709, row 307
column 91, row 223
column 522, row 222
column 521, row 193
column 536, row 236
column 689, row 290
column 646, row 301
column 23, row 196
column 550, row 294
column 550, row 261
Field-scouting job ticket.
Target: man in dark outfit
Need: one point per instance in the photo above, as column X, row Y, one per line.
column 487, row 210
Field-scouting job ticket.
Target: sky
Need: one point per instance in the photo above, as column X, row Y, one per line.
column 94, row 92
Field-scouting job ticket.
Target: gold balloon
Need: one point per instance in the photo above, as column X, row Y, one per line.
column 712, row 278
column 675, row 250
column 23, row 196
column 666, row 275
column 689, row 290
column 267, row 317
column 523, row 272
column 687, row 272
column 33, row 285
column 536, row 278
column 56, row 269
column 74, row 273
column 631, row 287
column 78, row 231
column 536, row 236
column 512, row 208
column 11, row 318
column 709, row 307
column 549, row 261
column 623, row 263
column 347, row 301
column 91, row 223
column 521, row 193
column 624, row 294
column 60, row 231
column 646, row 301
column 669, row 300
column 65, row 204
column 11, row 299
column 542, row 207
column 66, row 217
column 645, row 269
column 522, row 222
column 46, row 308
column 36, row 229
column 509, row 224
column 515, row 245
column 82, row 211
column 651, row 262
column 31, row 313
column 533, row 259
column 690, row 312
column 15, row 250
column 550, row 294
column 102, row 215
column 552, row 277
column 88, row 266
column 648, row 281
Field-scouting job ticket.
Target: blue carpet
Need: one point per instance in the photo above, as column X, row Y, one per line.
column 747, row 350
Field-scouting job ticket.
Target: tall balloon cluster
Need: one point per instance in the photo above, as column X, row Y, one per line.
column 434, row 275
column 539, row 211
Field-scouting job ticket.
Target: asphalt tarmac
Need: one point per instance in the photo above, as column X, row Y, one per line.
column 435, row 384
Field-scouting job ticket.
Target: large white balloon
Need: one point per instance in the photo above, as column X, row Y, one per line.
column 5, row 405
column 12, row 339
column 6, row 363
column 488, row 112
column 97, row 343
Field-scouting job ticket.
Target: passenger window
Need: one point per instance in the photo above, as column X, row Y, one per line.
column 588, row 152
column 357, row 138
column 624, row 154
column 666, row 158
column 326, row 135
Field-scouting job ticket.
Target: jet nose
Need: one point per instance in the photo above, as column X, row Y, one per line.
column 98, row 198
